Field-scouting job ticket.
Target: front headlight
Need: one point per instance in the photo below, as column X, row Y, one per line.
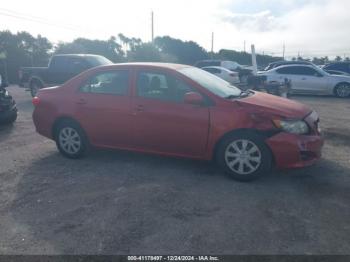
column 292, row 126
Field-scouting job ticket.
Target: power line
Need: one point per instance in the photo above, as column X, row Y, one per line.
column 36, row 19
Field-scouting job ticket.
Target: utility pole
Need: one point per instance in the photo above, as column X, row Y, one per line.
column 212, row 45
column 244, row 46
column 152, row 27
column 284, row 49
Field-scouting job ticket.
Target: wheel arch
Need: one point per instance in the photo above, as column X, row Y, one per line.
column 340, row 83
column 264, row 134
column 36, row 78
column 63, row 119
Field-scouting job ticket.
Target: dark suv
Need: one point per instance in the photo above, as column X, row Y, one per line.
column 60, row 69
column 338, row 66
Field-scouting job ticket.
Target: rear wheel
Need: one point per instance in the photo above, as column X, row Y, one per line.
column 70, row 139
column 342, row 90
column 35, row 86
column 244, row 157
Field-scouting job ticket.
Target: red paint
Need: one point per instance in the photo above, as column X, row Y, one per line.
column 176, row 129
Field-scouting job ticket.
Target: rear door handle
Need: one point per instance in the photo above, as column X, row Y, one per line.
column 81, row 102
column 139, row 108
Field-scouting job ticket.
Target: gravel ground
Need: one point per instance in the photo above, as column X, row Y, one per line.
column 113, row 202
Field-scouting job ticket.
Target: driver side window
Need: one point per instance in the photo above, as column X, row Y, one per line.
column 161, row 86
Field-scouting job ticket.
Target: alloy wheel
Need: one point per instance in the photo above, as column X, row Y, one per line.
column 243, row 156
column 69, row 140
column 343, row 90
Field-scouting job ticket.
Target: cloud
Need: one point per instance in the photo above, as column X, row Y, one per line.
column 258, row 22
column 313, row 28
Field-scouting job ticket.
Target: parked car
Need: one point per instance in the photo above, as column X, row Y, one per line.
column 283, row 62
column 335, row 72
column 60, row 69
column 338, row 66
column 178, row 110
column 8, row 109
column 223, row 73
column 307, row 79
column 244, row 72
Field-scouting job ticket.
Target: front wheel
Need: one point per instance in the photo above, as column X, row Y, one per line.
column 342, row 90
column 244, row 157
column 70, row 139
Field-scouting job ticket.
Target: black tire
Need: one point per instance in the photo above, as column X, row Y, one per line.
column 35, row 85
column 339, row 90
column 10, row 119
column 80, row 138
column 259, row 168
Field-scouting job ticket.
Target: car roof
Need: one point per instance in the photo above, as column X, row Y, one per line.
column 76, row 55
column 291, row 62
column 293, row 65
column 217, row 67
column 147, row 64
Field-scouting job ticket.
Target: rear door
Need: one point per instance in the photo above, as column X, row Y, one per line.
column 103, row 108
column 162, row 122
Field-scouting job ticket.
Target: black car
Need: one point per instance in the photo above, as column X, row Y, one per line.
column 281, row 63
column 8, row 109
column 338, row 66
column 60, row 69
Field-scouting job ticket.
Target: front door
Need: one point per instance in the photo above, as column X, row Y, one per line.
column 162, row 122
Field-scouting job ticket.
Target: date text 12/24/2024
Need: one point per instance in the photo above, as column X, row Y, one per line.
column 173, row 258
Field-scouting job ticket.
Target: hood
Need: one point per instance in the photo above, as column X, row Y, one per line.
column 275, row 105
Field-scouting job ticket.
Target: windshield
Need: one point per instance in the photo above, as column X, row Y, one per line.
column 210, row 82
column 98, row 60
column 321, row 71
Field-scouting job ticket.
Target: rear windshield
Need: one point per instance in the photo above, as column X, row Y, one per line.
column 98, row 60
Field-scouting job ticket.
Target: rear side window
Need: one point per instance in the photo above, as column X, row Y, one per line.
column 59, row 64
column 288, row 70
column 298, row 70
column 114, row 83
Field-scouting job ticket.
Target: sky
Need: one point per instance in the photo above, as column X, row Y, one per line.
column 306, row 27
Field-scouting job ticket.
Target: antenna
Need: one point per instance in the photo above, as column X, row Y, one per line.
column 212, row 44
column 152, row 27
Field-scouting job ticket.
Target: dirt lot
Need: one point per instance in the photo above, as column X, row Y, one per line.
column 126, row 203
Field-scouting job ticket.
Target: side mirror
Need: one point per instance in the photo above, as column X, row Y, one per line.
column 193, row 98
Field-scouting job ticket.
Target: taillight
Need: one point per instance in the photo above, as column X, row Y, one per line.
column 35, row 101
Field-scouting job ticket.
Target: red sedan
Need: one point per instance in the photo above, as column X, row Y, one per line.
column 178, row 110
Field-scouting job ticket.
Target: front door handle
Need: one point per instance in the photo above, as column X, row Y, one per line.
column 81, row 102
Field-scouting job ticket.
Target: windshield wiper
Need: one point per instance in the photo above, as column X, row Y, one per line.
column 232, row 96
column 245, row 93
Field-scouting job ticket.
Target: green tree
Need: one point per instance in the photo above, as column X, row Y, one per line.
column 145, row 52
column 109, row 49
column 338, row 59
column 187, row 52
column 23, row 49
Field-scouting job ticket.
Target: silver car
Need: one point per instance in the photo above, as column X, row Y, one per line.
column 229, row 76
column 308, row 79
